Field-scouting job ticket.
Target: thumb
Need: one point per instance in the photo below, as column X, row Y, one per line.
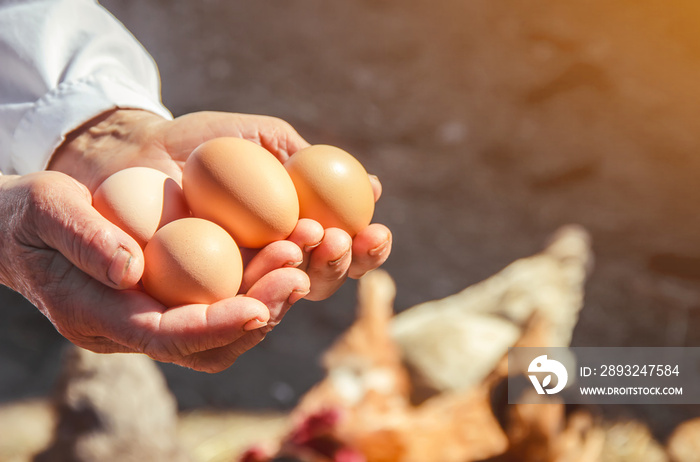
column 88, row 240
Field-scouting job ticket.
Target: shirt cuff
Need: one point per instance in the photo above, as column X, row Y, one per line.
column 66, row 108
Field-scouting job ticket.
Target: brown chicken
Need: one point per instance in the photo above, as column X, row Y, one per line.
column 362, row 411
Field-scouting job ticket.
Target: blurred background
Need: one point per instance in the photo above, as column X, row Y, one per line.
column 489, row 123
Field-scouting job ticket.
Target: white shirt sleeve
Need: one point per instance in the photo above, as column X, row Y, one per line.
column 63, row 62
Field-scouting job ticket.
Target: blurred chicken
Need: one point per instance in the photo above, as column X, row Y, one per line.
column 361, row 411
column 364, row 365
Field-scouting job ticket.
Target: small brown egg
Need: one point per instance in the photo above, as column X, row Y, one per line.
column 191, row 260
column 242, row 187
column 333, row 188
column 140, row 200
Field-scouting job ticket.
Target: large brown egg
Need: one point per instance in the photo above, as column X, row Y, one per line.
column 333, row 188
column 242, row 187
column 140, row 200
column 191, row 260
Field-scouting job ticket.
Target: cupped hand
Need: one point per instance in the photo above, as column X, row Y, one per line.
column 126, row 138
column 82, row 272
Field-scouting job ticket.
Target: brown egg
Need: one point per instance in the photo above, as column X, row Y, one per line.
column 333, row 188
column 191, row 260
column 242, row 187
column 140, row 200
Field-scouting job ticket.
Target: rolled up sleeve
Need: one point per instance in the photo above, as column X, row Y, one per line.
column 63, row 63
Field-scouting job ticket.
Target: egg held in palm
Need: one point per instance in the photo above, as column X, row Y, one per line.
column 242, row 187
column 333, row 188
column 139, row 200
column 191, row 260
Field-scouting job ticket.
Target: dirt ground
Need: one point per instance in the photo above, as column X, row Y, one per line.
column 490, row 125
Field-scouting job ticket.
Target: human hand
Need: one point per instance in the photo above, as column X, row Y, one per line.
column 81, row 271
column 127, row 138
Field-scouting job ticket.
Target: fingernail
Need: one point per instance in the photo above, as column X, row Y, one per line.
column 119, row 266
column 373, row 177
column 310, row 247
column 297, row 295
column 335, row 262
column 254, row 324
column 375, row 252
column 293, row 264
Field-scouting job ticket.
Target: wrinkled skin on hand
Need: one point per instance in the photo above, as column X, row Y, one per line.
column 68, row 261
column 82, row 272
